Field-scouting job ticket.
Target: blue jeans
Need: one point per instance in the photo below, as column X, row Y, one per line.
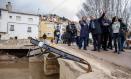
column 122, row 40
column 117, row 41
column 83, row 40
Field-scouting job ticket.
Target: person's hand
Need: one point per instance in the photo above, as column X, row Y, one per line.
column 104, row 11
column 106, row 24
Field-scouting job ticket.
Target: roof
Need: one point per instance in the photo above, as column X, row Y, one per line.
column 19, row 12
column 3, row 9
column 2, row 32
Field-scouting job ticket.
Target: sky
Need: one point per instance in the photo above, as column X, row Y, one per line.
column 66, row 8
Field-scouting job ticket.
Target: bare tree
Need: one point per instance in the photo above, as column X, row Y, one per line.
column 118, row 8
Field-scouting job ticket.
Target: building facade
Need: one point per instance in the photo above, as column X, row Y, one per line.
column 49, row 23
column 17, row 24
column 46, row 28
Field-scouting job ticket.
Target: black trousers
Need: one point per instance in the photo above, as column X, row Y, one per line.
column 104, row 40
column 69, row 41
column 96, row 41
column 110, row 41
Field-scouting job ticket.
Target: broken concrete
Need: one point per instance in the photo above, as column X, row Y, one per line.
column 15, row 44
column 101, row 69
column 51, row 65
column 70, row 70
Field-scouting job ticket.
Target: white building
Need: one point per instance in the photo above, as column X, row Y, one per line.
column 18, row 24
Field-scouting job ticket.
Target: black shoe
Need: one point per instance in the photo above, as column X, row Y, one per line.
column 105, row 50
column 85, row 48
column 99, row 50
column 94, row 50
column 80, row 48
column 110, row 48
column 69, row 44
column 119, row 52
column 123, row 50
column 115, row 51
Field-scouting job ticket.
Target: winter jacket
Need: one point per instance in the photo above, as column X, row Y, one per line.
column 98, row 25
column 84, row 32
column 71, row 30
column 123, row 29
column 57, row 33
column 95, row 27
column 116, row 27
column 105, row 25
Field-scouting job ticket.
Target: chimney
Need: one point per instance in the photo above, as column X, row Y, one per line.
column 9, row 6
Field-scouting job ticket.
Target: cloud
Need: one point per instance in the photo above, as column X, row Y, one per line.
column 67, row 8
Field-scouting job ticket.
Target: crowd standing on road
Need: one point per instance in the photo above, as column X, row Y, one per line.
column 106, row 33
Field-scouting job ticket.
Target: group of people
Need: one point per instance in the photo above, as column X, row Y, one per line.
column 104, row 32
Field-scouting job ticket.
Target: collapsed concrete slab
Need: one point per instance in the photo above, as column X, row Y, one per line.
column 101, row 69
column 70, row 70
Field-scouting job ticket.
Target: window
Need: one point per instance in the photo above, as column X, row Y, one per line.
column 48, row 33
column 18, row 18
column 12, row 28
column 10, row 17
column 29, row 29
column 30, row 19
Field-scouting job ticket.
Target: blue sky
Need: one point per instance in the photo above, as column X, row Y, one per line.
column 67, row 8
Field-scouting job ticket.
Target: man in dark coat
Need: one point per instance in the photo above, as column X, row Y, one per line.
column 71, row 32
column 84, row 33
column 105, row 23
column 95, row 28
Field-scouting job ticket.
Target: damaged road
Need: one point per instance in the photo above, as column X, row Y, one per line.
column 105, row 65
column 111, row 70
